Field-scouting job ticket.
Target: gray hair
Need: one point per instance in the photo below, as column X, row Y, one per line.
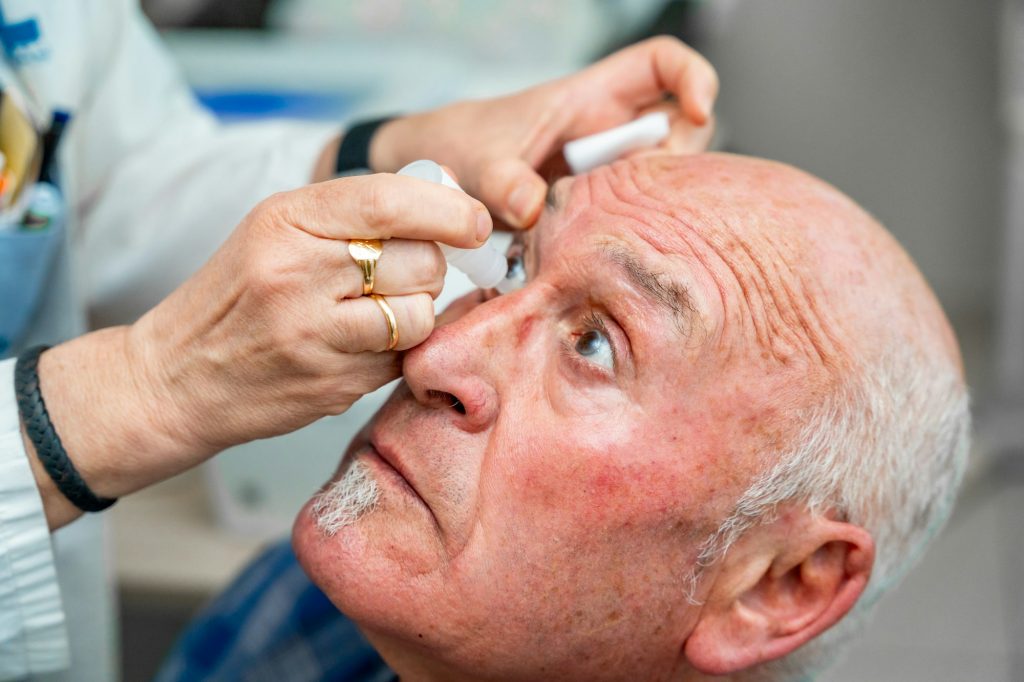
column 887, row 450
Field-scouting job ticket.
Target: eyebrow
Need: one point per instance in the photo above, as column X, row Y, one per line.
column 670, row 295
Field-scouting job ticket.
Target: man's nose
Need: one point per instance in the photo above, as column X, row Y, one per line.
column 457, row 368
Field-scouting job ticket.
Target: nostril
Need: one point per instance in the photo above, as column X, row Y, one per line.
column 448, row 400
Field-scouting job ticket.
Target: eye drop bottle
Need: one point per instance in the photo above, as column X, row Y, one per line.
column 484, row 266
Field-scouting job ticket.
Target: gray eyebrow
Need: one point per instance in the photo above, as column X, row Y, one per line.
column 671, row 295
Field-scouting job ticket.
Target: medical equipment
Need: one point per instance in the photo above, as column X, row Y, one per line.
column 589, row 152
column 484, row 266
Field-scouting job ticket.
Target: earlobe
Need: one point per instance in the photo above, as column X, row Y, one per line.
column 780, row 586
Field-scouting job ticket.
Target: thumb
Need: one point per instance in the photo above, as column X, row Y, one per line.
column 512, row 189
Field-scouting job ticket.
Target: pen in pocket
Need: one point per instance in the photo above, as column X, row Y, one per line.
column 44, row 203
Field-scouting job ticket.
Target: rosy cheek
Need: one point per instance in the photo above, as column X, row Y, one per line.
column 583, row 490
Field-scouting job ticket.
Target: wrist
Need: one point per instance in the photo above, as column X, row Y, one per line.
column 106, row 415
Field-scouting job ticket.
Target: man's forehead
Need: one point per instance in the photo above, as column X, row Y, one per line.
column 615, row 245
column 607, row 206
column 731, row 234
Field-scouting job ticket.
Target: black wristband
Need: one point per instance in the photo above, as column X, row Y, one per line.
column 44, row 437
column 354, row 150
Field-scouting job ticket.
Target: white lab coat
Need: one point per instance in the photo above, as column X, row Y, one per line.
column 153, row 185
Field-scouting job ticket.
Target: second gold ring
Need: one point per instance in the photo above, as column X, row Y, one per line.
column 366, row 253
column 389, row 318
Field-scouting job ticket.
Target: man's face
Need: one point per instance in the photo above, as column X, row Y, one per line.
column 556, row 456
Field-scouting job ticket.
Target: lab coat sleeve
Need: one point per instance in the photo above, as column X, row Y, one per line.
column 158, row 183
column 33, row 637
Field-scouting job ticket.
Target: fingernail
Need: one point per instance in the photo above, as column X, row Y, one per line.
column 523, row 201
column 483, row 226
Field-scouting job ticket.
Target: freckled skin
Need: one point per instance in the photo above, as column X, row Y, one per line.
column 566, row 508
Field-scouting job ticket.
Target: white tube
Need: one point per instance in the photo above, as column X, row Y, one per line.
column 592, row 151
column 484, row 266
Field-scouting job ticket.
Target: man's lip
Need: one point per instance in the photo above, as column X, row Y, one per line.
column 393, row 460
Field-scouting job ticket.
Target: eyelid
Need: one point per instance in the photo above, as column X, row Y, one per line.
column 599, row 320
column 617, row 338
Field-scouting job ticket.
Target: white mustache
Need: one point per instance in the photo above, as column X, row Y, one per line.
column 343, row 502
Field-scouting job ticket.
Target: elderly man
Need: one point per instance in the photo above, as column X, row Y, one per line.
column 722, row 415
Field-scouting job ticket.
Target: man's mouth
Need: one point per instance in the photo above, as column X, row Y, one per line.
column 392, row 466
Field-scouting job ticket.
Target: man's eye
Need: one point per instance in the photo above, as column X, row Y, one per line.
column 516, row 277
column 597, row 348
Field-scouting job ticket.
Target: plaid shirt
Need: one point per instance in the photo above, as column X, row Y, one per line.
column 273, row 624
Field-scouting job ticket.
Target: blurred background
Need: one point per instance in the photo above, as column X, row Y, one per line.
column 912, row 107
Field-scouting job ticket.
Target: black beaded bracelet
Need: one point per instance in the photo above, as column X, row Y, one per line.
column 354, row 150
column 44, row 437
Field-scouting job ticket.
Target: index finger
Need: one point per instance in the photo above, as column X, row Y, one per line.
column 383, row 206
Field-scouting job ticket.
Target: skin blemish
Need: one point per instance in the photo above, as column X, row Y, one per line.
column 524, row 330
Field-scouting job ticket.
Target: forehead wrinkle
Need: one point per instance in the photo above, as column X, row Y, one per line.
column 782, row 310
column 672, row 295
column 782, row 305
column 669, row 231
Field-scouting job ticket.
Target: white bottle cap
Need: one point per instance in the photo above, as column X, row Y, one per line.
column 425, row 169
column 484, row 266
column 592, row 151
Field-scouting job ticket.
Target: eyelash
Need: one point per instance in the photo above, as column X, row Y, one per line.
column 592, row 321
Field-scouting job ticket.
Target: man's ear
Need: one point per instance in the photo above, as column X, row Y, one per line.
column 780, row 585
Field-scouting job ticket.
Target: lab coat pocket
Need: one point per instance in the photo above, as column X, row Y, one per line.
column 26, row 258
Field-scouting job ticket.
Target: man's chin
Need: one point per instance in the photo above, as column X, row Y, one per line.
column 328, row 523
column 364, row 567
column 364, row 527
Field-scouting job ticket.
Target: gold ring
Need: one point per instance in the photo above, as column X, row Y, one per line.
column 389, row 317
column 366, row 253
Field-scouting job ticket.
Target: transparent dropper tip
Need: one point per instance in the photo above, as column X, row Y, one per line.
column 506, row 286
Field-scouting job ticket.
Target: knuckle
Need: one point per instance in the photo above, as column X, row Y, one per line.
column 421, row 319
column 437, row 272
column 292, row 359
column 266, row 276
column 666, row 40
column 493, row 178
column 668, row 43
column 431, row 265
column 275, row 206
column 379, row 208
